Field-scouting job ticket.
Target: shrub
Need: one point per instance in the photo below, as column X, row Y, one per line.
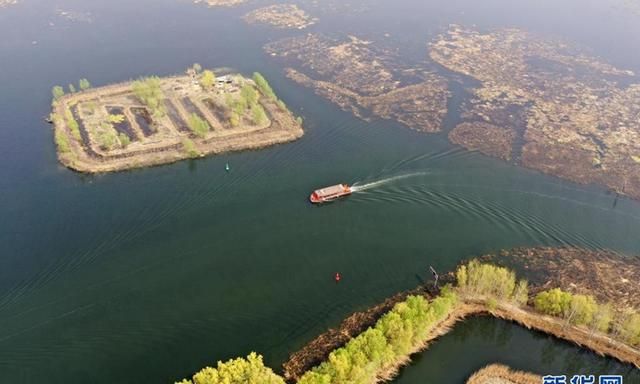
column 190, row 148
column 72, row 124
column 57, row 92
column 553, row 302
column 582, row 309
column 198, row 126
column 629, row 328
column 207, row 79
column 124, row 140
column 62, row 142
column 149, row 91
column 259, row 115
column 490, row 280
column 84, row 84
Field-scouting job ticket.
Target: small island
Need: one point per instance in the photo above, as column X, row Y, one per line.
column 6, row 3
column 155, row 120
column 220, row 3
column 284, row 16
column 501, row 374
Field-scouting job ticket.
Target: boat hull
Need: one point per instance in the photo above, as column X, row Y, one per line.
column 329, row 194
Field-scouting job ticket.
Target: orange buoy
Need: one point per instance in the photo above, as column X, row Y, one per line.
column 337, row 277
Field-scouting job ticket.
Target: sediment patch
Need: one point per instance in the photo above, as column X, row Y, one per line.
column 285, row 16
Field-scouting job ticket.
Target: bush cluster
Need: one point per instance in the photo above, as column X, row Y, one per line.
column 393, row 337
column 198, row 126
column 237, row 371
column 263, row 86
column 584, row 310
column 149, row 91
column 492, row 281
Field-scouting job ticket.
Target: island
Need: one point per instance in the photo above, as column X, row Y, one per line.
column 284, row 16
column 154, row 120
column 220, row 3
column 5, row 3
column 501, row 374
column 546, row 105
column 365, row 78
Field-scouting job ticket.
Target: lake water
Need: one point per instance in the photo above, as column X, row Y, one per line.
column 152, row 274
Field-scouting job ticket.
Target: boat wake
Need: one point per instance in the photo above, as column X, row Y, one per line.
column 374, row 184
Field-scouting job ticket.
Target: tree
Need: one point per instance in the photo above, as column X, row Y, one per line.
column 197, row 68
column 72, row 88
column 84, row 84
column 259, row 115
column 582, row 309
column 521, row 293
column 249, row 95
column 149, row 91
column 237, row 371
column 57, row 92
column 198, row 126
column 73, row 125
column 124, row 140
column 264, row 86
column 234, row 120
column 629, row 328
column 553, row 302
column 208, row 79
column 602, row 318
column 190, row 148
column 115, row 119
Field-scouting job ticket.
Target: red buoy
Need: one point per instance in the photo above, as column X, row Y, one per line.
column 337, row 277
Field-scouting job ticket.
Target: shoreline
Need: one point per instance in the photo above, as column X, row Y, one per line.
column 317, row 351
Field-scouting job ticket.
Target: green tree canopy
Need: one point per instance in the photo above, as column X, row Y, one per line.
column 57, row 92
column 84, row 84
column 237, row 371
column 208, row 79
column 149, row 91
column 263, row 86
column 198, row 126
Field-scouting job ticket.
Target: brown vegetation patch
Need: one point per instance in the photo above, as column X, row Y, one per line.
column 487, row 138
column 286, row 16
column 580, row 117
column 604, row 274
column 501, row 374
column 365, row 78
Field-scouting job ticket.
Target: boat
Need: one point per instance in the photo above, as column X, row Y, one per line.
column 331, row 193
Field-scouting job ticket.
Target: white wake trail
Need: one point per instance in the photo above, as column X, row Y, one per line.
column 377, row 183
